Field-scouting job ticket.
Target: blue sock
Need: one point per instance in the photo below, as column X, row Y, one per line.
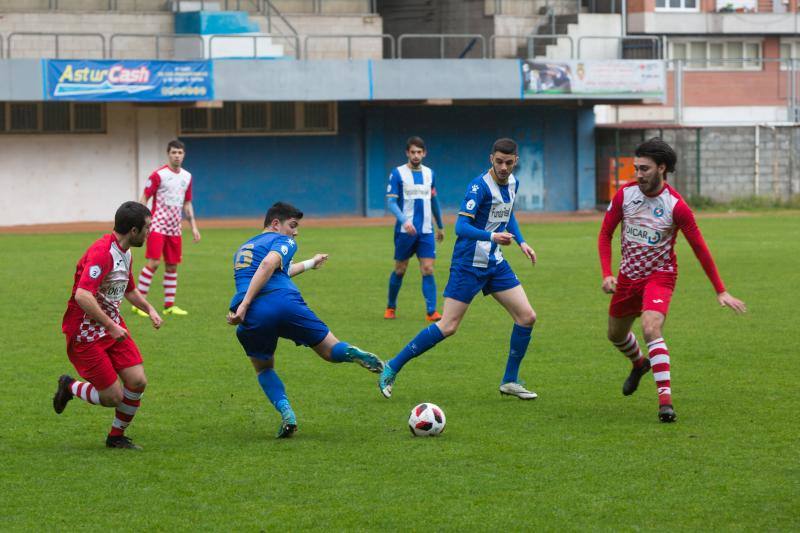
column 273, row 387
column 520, row 338
column 429, row 293
column 339, row 353
column 424, row 341
column 395, row 282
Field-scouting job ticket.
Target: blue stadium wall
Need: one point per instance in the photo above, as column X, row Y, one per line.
column 345, row 174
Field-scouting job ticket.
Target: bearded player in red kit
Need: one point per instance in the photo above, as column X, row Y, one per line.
column 98, row 343
column 651, row 212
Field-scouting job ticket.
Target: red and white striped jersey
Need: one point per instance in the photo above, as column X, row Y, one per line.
column 105, row 271
column 650, row 226
column 169, row 190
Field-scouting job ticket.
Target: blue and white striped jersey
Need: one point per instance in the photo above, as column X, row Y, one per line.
column 413, row 190
column 489, row 207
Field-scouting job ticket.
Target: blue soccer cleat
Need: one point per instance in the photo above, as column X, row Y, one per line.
column 370, row 361
column 386, row 381
column 288, row 422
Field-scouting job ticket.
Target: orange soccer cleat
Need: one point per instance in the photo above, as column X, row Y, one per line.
column 389, row 314
column 433, row 317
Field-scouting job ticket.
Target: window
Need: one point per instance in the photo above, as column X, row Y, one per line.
column 51, row 117
column 716, row 54
column 677, row 5
column 790, row 49
column 261, row 118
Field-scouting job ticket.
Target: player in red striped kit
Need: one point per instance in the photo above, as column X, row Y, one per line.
column 651, row 213
column 98, row 343
column 170, row 187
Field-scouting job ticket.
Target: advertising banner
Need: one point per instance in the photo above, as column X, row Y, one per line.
column 594, row 79
column 127, row 81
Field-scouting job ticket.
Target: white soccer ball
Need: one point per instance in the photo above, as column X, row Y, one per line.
column 426, row 420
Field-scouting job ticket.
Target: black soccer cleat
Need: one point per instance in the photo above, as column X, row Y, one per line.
column 286, row 431
column 63, row 394
column 666, row 414
column 632, row 382
column 122, row 442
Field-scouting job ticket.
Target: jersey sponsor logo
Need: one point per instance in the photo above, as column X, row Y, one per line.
column 642, row 235
column 471, row 204
column 284, row 249
column 95, row 271
column 500, row 212
column 658, row 212
column 475, row 188
column 116, row 291
column 636, row 202
column 417, row 191
column 290, row 241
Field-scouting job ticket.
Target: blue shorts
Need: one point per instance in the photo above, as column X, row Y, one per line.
column 422, row 244
column 279, row 314
column 465, row 281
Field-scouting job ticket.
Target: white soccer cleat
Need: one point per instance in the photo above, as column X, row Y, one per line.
column 515, row 389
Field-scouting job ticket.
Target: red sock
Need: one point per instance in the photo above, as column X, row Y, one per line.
column 630, row 349
column 85, row 391
column 170, row 288
column 145, row 279
column 659, row 363
column 125, row 411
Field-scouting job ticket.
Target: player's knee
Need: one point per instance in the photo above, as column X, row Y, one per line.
column 400, row 270
column 137, row 384
column 448, row 328
column 427, row 270
column 527, row 319
column 153, row 264
column 111, row 396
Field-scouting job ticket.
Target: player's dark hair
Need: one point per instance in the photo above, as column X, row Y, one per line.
column 659, row 151
column 505, row 146
column 283, row 212
column 175, row 143
column 130, row 215
column 415, row 141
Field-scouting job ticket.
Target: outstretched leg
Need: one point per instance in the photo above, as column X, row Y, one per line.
column 333, row 350
column 452, row 314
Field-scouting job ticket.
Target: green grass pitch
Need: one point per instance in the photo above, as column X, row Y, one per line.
column 581, row 457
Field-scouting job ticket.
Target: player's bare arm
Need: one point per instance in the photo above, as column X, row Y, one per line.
column 137, row 298
column 528, row 251
column 265, row 270
column 726, row 299
column 188, row 211
column 503, row 238
column 88, row 303
column 408, row 225
column 309, row 264
column 609, row 284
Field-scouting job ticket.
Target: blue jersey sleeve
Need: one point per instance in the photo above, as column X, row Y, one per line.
column 475, row 195
column 286, row 248
column 395, row 184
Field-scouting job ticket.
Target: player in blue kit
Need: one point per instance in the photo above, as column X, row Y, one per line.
column 486, row 221
column 411, row 198
column 268, row 305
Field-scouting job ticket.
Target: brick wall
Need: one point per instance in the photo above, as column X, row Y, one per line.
column 727, row 159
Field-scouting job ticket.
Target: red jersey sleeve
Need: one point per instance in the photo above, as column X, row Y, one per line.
column 96, row 266
column 610, row 222
column 188, row 196
column 684, row 219
column 152, row 184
